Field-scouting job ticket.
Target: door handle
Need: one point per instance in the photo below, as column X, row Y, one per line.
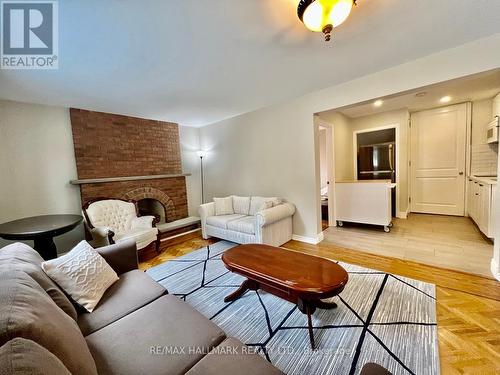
column 461, row 173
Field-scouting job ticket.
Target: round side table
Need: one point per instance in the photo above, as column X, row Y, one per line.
column 40, row 229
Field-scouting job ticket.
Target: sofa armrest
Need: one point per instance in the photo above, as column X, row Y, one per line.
column 143, row 222
column 274, row 214
column 103, row 235
column 206, row 210
column 122, row 257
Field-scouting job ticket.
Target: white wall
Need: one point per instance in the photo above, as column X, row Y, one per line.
column 190, row 143
column 271, row 151
column 37, row 162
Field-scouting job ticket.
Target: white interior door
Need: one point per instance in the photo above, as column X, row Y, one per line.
column 438, row 148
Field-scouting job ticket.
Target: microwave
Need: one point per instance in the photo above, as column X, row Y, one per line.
column 492, row 131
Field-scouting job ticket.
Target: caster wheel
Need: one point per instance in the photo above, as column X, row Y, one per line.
column 390, row 225
column 340, row 223
column 387, row 229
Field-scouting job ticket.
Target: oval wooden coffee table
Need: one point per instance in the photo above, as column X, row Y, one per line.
column 296, row 277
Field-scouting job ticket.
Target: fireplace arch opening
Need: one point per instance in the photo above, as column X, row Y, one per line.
column 151, row 206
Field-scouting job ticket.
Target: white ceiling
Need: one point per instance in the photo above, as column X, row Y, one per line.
column 196, row 62
column 476, row 87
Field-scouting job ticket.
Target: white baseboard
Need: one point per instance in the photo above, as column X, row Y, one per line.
column 402, row 215
column 311, row 240
column 494, row 270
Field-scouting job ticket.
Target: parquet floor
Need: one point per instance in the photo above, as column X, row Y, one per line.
column 468, row 306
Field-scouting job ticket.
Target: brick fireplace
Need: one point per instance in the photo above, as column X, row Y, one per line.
column 130, row 158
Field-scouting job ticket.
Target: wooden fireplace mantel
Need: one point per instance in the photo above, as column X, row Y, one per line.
column 130, row 178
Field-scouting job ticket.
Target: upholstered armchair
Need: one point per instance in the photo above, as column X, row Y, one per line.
column 112, row 221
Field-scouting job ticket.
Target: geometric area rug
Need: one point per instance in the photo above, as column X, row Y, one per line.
column 381, row 318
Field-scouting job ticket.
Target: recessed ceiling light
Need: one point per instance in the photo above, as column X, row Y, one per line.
column 445, row 99
column 378, row 103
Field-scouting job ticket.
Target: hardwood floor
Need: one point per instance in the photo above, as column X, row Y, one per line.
column 441, row 241
column 177, row 247
column 468, row 306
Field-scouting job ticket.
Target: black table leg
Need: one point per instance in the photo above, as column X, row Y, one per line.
column 308, row 308
column 46, row 247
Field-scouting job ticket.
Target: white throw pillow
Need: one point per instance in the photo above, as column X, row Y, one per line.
column 224, row 206
column 83, row 274
column 260, row 203
column 241, row 205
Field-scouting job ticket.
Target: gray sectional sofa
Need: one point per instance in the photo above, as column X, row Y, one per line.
column 137, row 328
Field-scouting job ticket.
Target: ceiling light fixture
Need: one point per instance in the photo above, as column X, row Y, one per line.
column 445, row 99
column 324, row 15
column 378, row 103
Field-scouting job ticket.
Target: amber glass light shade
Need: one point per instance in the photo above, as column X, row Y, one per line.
column 323, row 15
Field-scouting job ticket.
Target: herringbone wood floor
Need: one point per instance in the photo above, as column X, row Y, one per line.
column 468, row 306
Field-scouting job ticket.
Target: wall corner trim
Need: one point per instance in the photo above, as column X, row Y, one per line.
column 494, row 268
column 310, row 240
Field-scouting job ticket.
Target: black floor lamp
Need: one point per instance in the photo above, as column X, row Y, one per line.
column 202, row 154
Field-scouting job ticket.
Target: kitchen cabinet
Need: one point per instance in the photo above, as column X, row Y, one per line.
column 480, row 203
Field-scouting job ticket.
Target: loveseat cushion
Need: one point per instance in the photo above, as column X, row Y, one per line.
column 223, row 220
column 241, row 205
column 243, row 225
column 133, row 290
column 155, row 339
column 233, row 357
column 21, row 257
column 21, row 356
column 27, row 311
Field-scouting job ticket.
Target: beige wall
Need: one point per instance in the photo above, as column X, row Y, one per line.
column 190, row 143
column 37, row 162
column 323, row 166
column 271, row 151
column 265, row 153
column 342, row 130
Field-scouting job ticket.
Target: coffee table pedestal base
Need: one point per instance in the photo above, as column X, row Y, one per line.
column 305, row 306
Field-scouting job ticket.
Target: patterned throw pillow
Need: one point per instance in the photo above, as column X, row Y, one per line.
column 241, row 205
column 261, row 203
column 224, row 206
column 83, row 274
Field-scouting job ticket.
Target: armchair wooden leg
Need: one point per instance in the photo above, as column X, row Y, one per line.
column 158, row 243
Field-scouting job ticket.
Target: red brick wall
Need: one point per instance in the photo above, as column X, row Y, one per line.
column 109, row 145
column 175, row 188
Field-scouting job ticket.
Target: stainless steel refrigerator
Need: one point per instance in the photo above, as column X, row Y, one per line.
column 378, row 162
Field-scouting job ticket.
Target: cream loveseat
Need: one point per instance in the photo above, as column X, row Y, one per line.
column 248, row 220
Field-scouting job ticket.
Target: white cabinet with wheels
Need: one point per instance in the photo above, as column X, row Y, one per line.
column 481, row 200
